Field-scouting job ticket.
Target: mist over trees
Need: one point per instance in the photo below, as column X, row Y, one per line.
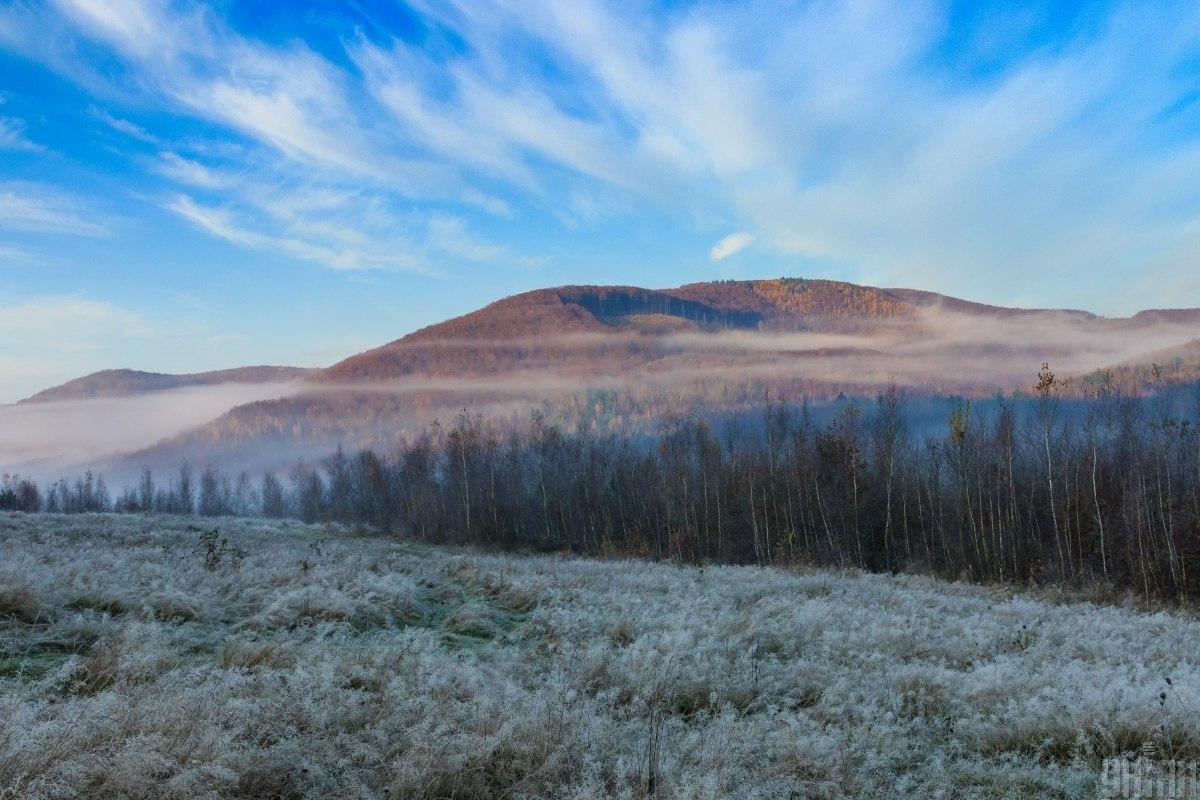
column 1039, row 488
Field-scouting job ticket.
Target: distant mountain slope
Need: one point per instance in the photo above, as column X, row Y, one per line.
column 130, row 382
column 585, row 328
column 624, row 356
column 589, row 330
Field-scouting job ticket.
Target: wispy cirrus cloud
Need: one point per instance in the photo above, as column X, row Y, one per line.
column 190, row 171
column 827, row 129
column 287, row 98
column 12, row 136
column 124, row 126
column 307, row 139
column 35, row 207
column 323, row 241
column 898, row 143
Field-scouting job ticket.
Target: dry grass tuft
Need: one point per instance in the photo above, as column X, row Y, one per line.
column 20, row 601
column 249, row 654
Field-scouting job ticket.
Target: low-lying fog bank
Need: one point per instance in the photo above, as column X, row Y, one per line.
column 43, row 439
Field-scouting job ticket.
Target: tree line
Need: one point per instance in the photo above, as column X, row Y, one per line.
column 1025, row 489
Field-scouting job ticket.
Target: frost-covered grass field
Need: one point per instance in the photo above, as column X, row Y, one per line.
column 141, row 659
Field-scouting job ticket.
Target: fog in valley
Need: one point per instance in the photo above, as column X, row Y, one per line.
column 41, row 440
column 933, row 351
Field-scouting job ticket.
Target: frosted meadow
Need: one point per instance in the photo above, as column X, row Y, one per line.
column 147, row 657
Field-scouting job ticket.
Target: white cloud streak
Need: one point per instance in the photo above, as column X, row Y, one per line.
column 189, row 172
column 733, row 243
column 35, row 207
column 343, row 254
column 125, row 127
column 12, row 136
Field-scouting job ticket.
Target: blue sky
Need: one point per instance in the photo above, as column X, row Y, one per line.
column 188, row 187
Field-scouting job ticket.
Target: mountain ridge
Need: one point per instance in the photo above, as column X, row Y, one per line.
column 501, row 332
column 628, row 326
column 125, row 382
